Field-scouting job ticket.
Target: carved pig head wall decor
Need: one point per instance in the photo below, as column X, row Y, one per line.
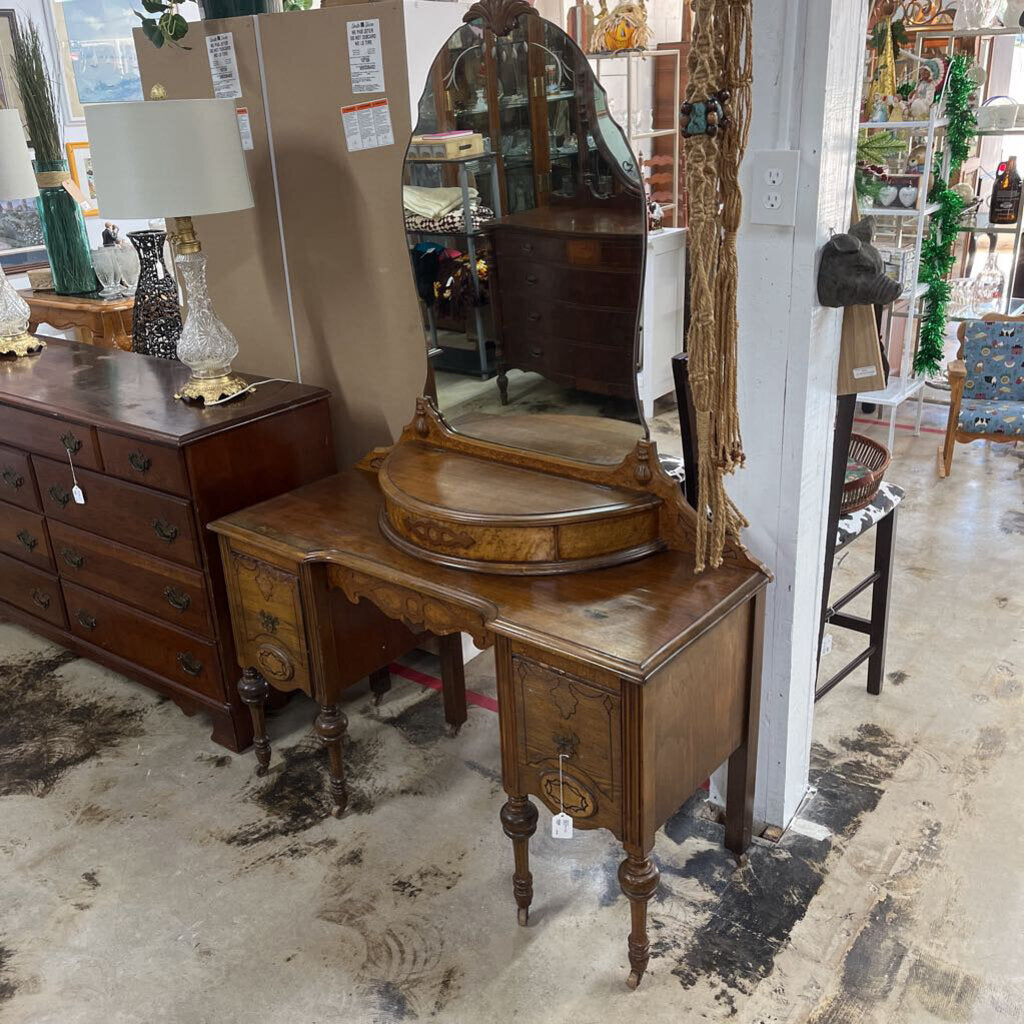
column 851, row 270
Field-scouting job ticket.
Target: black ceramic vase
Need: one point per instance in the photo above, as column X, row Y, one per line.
column 156, row 321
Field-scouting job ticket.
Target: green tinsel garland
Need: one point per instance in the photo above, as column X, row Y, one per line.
column 937, row 249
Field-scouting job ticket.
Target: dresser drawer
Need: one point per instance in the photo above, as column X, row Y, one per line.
column 583, row 365
column 144, row 641
column 522, row 281
column 140, row 462
column 48, row 435
column 270, row 630
column 141, row 518
column 587, row 324
column 23, row 535
column 586, row 252
column 557, row 713
column 17, row 484
column 169, row 591
column 32, row 591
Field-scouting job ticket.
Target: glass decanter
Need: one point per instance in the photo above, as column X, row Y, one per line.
column 14, row 315
column 988, row 291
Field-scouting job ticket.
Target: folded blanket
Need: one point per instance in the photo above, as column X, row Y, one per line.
column 434, row 202
column 450, row 223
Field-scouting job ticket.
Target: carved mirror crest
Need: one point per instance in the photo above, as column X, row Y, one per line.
column 526, row 223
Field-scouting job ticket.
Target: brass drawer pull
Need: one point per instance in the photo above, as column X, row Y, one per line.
column 189, row 665
column 59, row 495
column 531, row 278
column 536, row 352
column 269, row 622
column 71, row 443
column 527, row 247
column 165, row 531
column 534, row 318
column 177, row 599
column 27, row 540
column 13, row 479
column 139, row 462
column 72, row 557
column 86, row 620
column 41, row 599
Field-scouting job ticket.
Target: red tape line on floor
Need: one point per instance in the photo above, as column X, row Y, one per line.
column 433, row 683
column 899, row 426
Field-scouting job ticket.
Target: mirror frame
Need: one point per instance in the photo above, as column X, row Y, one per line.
column 499, row 17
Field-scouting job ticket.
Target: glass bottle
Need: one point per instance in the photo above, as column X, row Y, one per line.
column 1004, row 207
column 989, row 289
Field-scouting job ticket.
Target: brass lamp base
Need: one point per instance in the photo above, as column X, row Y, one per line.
column 21, row 345
column 211, row 389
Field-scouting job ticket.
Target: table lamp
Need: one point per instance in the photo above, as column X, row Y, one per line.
column 177, row 158
column 17, row 181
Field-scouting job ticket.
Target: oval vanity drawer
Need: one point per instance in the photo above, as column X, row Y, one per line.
column 23, row 536
column 17, row 484
column 521, row 281
column 50, row 436
column 140, row 462
column 556, row 714
column 267, row 615
column 141, row 518
column 143, row 640
column 169, row 591
column 31, row 590
column 573, row 323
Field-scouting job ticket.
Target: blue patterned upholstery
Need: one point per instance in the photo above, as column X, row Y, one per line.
column 994, row 357
column 982, row 416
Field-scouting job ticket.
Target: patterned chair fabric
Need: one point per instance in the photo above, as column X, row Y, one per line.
column 982, row 416
column 994, row 357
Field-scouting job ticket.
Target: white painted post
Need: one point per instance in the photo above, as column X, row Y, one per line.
column 808, row 60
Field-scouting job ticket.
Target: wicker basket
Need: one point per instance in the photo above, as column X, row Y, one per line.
column 867, row 455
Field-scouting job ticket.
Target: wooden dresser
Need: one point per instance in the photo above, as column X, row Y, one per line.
column 132, row 578
column 565, row 292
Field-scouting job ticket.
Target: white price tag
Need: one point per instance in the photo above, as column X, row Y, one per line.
column 78, row 494
column 826, row 644
column 561, row 826
column 365, row 60
column 244, row 127
column 223, row 67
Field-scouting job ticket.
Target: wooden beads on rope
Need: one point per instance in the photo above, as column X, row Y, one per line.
column 705, row 117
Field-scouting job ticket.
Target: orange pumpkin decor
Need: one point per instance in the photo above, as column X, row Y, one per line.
column 624, row 28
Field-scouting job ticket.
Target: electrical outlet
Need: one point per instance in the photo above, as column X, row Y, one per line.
column 773, row 178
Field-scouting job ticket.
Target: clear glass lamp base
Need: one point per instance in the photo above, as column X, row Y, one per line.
column 206, row 346
column 14, row 314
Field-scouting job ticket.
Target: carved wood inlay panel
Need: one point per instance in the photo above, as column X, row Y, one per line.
column 418, row 611
column 433, row 534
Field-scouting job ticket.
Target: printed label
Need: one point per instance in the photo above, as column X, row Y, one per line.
column 244, row 127
column 365, row 60
column 367, row 125
column 223, row 66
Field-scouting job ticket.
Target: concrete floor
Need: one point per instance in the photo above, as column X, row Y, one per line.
column 147, row 875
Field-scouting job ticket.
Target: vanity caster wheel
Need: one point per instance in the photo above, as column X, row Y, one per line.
column 633, row 980
column 377, row 699
column 523, row 917
column 261, row 771
column 452, row 730
column 337, row 812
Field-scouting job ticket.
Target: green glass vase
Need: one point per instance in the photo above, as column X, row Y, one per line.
column 67, row 242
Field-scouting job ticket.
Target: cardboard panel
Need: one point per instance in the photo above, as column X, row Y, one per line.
column 246, row 270
column 355, row 307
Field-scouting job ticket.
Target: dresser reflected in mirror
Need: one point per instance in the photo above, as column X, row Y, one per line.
column 526, row 224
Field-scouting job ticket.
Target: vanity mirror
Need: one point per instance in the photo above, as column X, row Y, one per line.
column 526, row 222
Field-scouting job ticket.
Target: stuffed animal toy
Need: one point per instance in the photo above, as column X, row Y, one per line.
column 851, row 271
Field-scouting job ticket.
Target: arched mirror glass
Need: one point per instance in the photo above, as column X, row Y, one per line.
column 526, row 223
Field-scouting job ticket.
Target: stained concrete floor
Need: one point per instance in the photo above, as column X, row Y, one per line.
column 147, row 876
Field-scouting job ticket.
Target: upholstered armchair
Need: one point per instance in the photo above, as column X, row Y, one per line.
column 986, row 385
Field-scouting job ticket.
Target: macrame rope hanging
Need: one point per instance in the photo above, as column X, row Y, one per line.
column 716, row 126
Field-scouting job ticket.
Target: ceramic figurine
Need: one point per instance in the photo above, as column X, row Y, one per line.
column 908, row 195
column 851, row 272
column 879, row 112
column 923, row 96
column 887, row 195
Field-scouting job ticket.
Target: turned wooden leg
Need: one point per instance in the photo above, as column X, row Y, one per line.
column 519, row 820
column 331, row 724
column 380, row 683
column 638, row 876
column 503, row 387
column 453, row 681
column 253, row 690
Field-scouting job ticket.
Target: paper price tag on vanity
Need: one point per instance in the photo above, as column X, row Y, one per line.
column 78, row 494
column 561, row 826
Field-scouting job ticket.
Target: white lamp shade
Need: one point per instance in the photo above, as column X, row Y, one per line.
column 167, row 158
column 17, row 180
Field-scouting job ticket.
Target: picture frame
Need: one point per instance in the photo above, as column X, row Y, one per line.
column 21, row 237
column 80, row 162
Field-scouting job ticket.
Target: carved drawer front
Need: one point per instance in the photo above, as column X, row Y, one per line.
column 585, row 252
column 269, row 625
column 31, row 590
column 572, row 323
column 523, row 281
column 559, row 714
column 136, row 516
column 48, row 435
column 140, row 462
column 23, row 535
column 17, row 484
column 181, row 657
column 171, row 592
